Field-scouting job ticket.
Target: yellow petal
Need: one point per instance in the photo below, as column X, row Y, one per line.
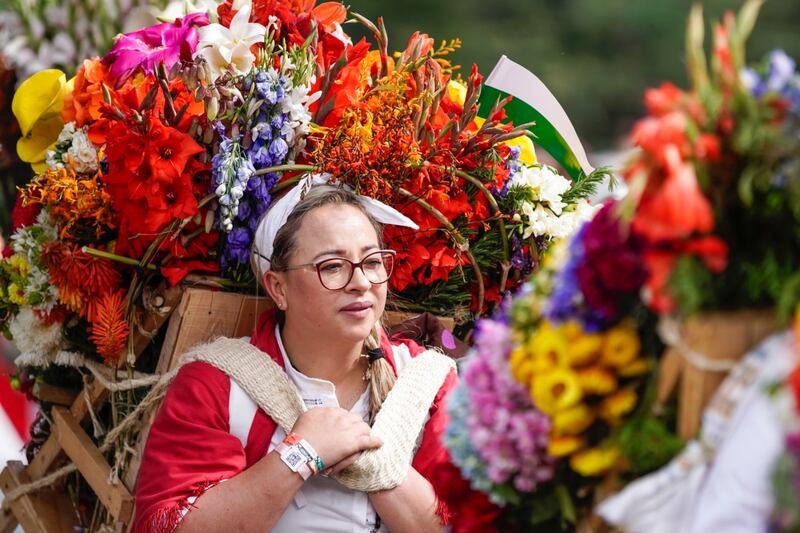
column 33, row 147
column 572, row 421
column 595, row 461
column 563, row 446
column 597, row 380
column 38, row 98
column 458, row 93
column 556, row 390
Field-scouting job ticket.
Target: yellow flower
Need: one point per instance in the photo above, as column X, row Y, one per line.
column 584, row 349
column 595, row 461
column 522, row 367
column 16, row 294
column 597, row 380
column 548, row 348
column 37, row 105
column 20, row 265
column 564, row 446
column 572, row 421
column 556, row 390
column 621, row 346
column 636, row 368
column 619, row 404
column 571, row 330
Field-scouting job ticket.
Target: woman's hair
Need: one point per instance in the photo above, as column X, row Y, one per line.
column 381, row 376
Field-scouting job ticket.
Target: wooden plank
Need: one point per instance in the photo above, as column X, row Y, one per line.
column 38, row 512
column 91, row 464
column 52, row 394
column 8, row 522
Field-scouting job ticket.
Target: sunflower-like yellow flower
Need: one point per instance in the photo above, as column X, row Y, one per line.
column 584, row 349
column 522, row 367
column 597, row 380
column 595, row 461
column 619, row 404
column 37, row 104
column 556, row 390
column 572, row 421
column 564, row 446
column 636, row 368
column 16, row 295
column 548, row 348
column 621, row 346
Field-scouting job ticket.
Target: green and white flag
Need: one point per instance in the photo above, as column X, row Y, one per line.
column 533, row 102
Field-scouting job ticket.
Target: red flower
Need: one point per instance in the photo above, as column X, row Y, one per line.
column 23, row 215
column 109, row 330
column 677, row 208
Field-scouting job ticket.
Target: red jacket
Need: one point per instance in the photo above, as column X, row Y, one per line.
column 190, row 447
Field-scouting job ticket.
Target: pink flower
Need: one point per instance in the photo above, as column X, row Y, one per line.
column 168, row 43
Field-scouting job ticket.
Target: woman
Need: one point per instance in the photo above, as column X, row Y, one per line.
column 213, row 461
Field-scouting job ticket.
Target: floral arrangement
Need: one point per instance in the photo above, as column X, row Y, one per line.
column 716, row 172
column 557, row 403
column 553, row 394
column 155, row 162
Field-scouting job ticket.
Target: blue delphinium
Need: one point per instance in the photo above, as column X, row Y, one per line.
column 566, row 301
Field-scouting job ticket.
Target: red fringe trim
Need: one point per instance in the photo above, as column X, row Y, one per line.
column 443, row 512
column 166, row 519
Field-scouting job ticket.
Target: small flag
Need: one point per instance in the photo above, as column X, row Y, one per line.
column 533, row 102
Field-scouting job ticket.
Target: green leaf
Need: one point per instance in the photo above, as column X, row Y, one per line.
column 566, row 504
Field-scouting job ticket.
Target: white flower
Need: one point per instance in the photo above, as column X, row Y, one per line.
column 83, row 152
column 33, row 337
column 229, row 48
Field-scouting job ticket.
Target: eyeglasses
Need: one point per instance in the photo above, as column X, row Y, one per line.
column 336, row 273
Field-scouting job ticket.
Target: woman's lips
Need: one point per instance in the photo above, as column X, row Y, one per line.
column 357, row 309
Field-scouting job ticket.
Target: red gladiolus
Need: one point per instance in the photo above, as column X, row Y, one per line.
column 677, row 208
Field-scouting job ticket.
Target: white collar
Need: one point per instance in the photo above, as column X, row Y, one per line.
column 314, row 391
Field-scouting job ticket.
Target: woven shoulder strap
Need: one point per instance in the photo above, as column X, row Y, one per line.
column 398, row 424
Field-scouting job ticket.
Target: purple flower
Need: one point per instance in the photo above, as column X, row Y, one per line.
column 167, row 43
column 238, row 244
column 508, row 433
column 278, row 149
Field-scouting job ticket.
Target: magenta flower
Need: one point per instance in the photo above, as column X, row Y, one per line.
column 168, row 43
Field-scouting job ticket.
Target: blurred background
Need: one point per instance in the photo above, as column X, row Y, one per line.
column 596, row 56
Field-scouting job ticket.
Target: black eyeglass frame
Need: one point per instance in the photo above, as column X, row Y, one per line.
column 352, row 269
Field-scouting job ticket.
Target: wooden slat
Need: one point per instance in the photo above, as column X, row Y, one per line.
column 52, row 394
column 91, row 464
column 50, row 453
column 46, row 511
column 8, row 522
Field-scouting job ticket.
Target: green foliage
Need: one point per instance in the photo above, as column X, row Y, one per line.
column 585, row 185
column 691, row 283
column 597, row 57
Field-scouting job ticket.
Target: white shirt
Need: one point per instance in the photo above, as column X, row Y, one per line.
column 325, row 505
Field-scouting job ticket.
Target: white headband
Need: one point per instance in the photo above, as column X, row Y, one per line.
column 278, row 213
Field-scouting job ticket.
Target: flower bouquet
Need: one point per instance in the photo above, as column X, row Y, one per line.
column 560, row 403
column 155, row 162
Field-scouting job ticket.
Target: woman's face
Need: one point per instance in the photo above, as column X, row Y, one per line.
column 349, row 313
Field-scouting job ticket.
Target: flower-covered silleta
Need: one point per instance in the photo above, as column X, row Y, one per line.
column 156, row 160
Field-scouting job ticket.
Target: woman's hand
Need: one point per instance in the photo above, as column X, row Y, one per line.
column 335, row 434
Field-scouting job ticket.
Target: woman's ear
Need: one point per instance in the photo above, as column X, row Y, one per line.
column 275, row 285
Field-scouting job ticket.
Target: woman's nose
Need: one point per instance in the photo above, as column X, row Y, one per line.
column 359, row 280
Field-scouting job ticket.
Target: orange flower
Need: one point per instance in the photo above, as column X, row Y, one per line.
column 109, row 330
column 81, row 278
column 83, row 105
column 80, row 207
